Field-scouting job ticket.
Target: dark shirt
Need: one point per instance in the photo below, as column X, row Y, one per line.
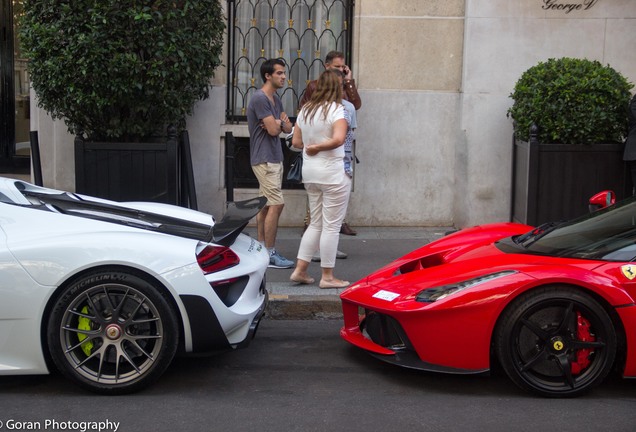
column 263, row 147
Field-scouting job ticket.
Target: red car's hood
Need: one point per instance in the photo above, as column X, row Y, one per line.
column 457, row 257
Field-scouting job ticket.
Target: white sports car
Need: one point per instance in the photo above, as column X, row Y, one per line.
column 109, row 292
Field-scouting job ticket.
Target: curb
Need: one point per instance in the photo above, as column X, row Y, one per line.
column 303, row 307
column 371, row 249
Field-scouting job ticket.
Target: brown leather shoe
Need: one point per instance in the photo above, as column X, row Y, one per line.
column 347, row 230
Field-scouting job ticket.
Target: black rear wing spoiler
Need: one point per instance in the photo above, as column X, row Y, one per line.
column 236, row 218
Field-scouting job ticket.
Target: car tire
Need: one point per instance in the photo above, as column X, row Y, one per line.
column 112, row 332
column 556, row 341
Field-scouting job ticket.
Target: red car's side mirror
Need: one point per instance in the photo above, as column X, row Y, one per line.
column 602, row 200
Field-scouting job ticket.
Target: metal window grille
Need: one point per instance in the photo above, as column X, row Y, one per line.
column 301, row 32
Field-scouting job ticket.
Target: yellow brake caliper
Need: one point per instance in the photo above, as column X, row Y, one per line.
column 84, row 323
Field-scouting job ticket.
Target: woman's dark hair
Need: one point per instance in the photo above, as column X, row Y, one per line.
column 328, row 90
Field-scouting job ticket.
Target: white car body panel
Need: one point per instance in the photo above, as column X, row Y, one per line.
column 40, row 251
column 20, row 312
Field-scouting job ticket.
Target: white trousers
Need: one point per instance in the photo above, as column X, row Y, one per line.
column 327, row 208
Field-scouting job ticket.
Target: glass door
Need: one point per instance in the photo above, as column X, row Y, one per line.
column 15, row 150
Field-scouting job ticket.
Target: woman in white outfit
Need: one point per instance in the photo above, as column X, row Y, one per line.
column 320, row 131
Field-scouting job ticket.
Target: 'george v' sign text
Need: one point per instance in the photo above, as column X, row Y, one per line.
column 568, row 7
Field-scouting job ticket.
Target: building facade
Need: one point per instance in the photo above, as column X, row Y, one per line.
column 435, row 78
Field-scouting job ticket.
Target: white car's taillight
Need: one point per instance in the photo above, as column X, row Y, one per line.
column 216, row 258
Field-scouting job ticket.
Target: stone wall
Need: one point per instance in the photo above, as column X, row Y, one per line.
column 502, row 40
column 435, row 78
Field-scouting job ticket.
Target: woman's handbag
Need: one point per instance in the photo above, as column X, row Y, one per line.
column 295, row 173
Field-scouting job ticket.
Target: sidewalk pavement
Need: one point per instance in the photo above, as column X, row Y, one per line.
column 371, row 249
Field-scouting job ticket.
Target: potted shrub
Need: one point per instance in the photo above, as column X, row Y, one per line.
column 570, row 118
column 119, row 74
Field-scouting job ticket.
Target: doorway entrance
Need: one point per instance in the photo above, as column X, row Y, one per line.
column 15, row 103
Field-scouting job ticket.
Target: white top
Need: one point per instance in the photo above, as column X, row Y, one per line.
column 326, row 167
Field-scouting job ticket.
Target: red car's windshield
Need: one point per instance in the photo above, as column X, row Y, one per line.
column 608, row 234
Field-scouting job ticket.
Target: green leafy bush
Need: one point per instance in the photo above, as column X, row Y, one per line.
column 121, row 70
column 573, row 101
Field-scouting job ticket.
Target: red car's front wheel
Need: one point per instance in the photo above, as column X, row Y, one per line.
column 556, row 341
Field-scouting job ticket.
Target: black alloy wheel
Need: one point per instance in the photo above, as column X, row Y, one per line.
column 556, row 341
column 112, row 332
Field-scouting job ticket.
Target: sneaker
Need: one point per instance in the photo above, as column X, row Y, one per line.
column 339, row 255
column 276, row 260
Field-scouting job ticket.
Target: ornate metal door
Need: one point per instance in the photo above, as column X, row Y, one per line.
column 301, row 32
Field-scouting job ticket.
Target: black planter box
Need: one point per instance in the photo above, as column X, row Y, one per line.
column 242, row 174
column 553, row 182
column 128, row 171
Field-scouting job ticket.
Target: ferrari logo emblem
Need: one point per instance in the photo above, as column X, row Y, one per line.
column 629, row 271
column 558, row 346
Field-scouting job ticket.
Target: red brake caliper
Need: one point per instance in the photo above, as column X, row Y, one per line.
column 583, row 334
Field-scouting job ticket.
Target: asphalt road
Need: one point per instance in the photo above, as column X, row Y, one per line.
column 300, row 376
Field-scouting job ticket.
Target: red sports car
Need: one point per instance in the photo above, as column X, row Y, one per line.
column 554, row 305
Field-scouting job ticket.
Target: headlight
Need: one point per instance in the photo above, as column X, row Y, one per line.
column 431, row 295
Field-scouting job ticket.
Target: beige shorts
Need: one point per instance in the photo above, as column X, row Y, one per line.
column 270, row 180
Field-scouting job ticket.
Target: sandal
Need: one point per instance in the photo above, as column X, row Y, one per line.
column 306, row 280
column 334, row 283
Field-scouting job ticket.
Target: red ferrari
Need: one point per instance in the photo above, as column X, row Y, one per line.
column 554, row 305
